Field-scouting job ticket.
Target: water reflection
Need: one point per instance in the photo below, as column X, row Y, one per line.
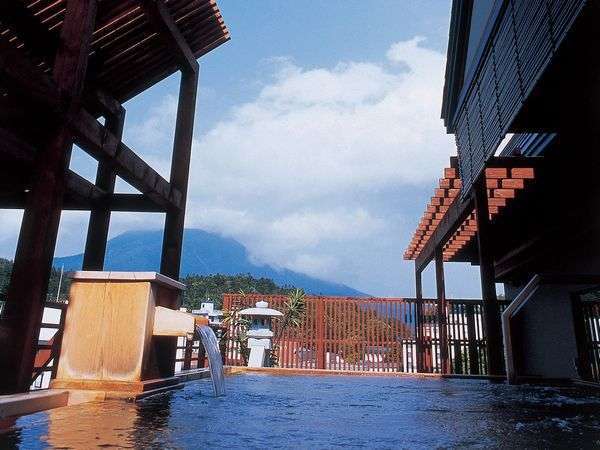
column 324, row 412
column 112, row 424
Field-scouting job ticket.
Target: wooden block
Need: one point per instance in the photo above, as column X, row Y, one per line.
column 491, row 183
column 170, row 322
column 109, row 327
column 497, row 202
column 504, row 193
column 30, row 402
column 513, row 183
column 496, row 172
column 450, row 172
column 522, row 172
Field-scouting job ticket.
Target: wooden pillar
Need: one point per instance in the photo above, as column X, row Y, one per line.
column 187, row 354
column 170, row 263
column 97, row 234
column 473, row 347
column 442, row 310
column 180, row 167
column 37, row 239
column 320, row 338
column 491, row 312
column 419, row 319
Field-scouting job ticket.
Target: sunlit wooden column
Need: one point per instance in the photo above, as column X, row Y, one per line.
column 442, row 310
column 97, row 234
column 37, row 239
column 419, row 318
column 491, row 311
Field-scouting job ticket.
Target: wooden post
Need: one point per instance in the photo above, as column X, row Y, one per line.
column 419, row 318
column 180, row 167
column 473, row 347
column 491, row 312
column 39, row 228
column 170, row 263
column 320, row 340
column 97, row 234
column 187, row 355
column 442, row 310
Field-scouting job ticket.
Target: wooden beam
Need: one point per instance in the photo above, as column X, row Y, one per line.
column 90, row 135
column 103, row 145
column 491, row 311
column 33, row 260
column 132, row 203
column 165, row 25
column 454, row 217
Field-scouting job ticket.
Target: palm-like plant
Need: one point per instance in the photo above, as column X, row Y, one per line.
column 293, row 315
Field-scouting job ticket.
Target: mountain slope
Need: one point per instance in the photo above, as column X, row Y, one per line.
column 203, row 254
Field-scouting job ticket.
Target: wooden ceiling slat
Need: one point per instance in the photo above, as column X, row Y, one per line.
column 124, row 39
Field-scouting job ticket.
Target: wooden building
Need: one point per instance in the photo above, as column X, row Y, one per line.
column 66, row 68
column 520, row 200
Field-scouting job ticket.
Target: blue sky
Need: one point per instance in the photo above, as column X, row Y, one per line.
column 317, row 142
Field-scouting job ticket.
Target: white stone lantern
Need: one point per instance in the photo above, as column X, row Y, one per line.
column 259, row 332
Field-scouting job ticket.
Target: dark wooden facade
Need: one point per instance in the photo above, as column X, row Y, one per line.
column 63, row 66
column 524, row 67
column 482, row 102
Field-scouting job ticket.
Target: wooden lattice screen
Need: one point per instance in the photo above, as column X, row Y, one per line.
column 370, row 334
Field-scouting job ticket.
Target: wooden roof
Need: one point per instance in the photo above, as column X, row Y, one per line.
column 502, row 185
column 128, row 55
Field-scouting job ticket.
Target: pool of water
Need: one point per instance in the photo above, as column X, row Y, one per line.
column 264, row 411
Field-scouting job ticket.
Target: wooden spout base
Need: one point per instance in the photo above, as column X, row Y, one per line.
column 133, row 390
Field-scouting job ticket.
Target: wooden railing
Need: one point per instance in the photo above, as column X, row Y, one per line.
column 192, row 355
column 48, row 351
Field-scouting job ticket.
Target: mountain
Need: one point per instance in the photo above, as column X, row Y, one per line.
column 203, row 254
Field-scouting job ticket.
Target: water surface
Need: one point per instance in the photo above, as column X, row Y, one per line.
column 263, row 411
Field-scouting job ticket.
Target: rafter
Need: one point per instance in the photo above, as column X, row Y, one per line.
column 167, row 28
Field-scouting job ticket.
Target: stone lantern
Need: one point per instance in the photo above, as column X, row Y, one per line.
column 259, row 332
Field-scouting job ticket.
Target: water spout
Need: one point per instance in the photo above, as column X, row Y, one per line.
column 215, row 363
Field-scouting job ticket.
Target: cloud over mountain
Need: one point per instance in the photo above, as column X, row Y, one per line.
column 323, row 171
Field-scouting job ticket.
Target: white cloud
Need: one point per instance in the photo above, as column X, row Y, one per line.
column 304, row 175
column 296, row 173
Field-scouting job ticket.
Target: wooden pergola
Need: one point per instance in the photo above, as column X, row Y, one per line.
column 457, row 227
column 66, row 68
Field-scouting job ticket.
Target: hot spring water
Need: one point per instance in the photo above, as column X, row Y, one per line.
column 215, row 363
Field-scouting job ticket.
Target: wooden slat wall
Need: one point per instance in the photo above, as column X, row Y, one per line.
column 527, row 35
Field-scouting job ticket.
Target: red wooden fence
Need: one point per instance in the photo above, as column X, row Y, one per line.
column 371, row 334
